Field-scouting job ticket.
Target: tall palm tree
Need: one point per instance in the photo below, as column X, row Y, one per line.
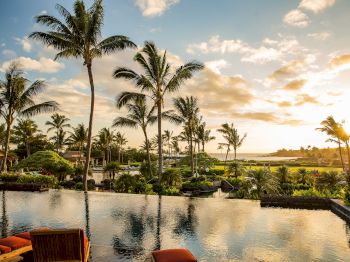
column 121, row 141
column 168, row 135
column 139, row 115
column 17, row 100
column 79, row 36
column 158, row 80
column 25, row 132
column 58, row 122
column 230, row 133
column 60, row 140
column 187, row 113
column 204, row 135
column 104, row 139
column 332, row 128
column 345, row 138
column 79, row 138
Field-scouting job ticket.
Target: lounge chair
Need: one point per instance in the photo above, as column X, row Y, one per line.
column 60, row 245
column 171, row 255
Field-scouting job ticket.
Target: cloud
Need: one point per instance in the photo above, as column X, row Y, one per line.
column 335, row 93
column 320, row 35
column 291, row 69
column 339, row 60
column 270, row 50
column 284, row 104
column 217, row 65
column 9, row 53
column 25, row 43
column 219, row 94
column 296, row 18
column 316, row 6
column 153, row 8
column 44, row 65
column 269, row 117
column 304, row 99
column 295, row 85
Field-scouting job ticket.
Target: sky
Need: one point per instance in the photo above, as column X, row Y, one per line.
column 274, row 68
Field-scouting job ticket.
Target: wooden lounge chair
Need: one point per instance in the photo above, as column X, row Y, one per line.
column 171, row 255
column 60, row 245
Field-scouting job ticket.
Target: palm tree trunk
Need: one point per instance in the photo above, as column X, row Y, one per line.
column 341, row 156
column 235, row 154
column 203, row 146
column 226, row 158
column 160, row 142
column 7, row 142
column 28, row 149
column 191, row 151
column 148, row 154
column 119, row 154
column 348, row 151
column 88, row 149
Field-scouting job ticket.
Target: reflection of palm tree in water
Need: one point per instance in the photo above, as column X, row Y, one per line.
column 187, row 223
column 4, row 218
column 87, row 216
column 131, row 242
column 159, row 216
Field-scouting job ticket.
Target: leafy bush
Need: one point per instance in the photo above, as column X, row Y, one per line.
column 79, row 186
column 8, row 177
column 48, row 162
column 69, row 184
column 347, row 197
column 145, row 170
column 328, row 181
column 289, row 188
column 197, row 185
column 171, row 177
column 313, row 192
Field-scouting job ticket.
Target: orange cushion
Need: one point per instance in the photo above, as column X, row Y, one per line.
column 15, row 242
column 4, row 249
column 26, row 235
column 173, row 255
column 85, row 242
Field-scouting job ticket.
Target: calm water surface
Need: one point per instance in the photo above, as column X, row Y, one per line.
column 124, row 227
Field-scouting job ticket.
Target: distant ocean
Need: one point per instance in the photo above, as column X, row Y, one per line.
column 251, row 156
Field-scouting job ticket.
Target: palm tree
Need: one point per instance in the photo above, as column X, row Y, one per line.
column 79, row 36
column 25, row 132
column 236, row 168
column 188, row 110
column 345, row 137
column 120, row 141
column 232, row 137
column 262, row 181
column 58, row 123
column 78, row 138
column 60, row 140
column 282, row 173
column 2, row 135
column 139, row 115
column 204, row 135
column 330, row 127
column 168, row 136
column 158, row 80
column 105, row 140
column 17, row 100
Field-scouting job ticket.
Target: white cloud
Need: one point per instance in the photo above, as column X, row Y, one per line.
column 43, row 12
column 296, row 18
column 270, row 50
column 217, row 65
column 154, row 7
column 320, row 35
column 25, row 43
column 9, row 53
column 44, row 65
column 316, row 6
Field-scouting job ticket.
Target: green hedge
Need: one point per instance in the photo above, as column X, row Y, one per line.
column 31, row 179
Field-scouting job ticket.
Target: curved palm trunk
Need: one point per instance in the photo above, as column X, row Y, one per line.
column 341, row 156
column 7, row 143
column 88, row 149
column 148, row 154
column 160, row 142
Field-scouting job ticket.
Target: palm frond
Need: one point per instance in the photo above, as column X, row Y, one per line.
column 45, row 107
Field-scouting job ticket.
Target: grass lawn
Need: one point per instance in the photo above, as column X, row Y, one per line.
column 294, row 169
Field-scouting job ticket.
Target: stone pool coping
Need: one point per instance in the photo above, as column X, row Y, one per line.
column 337, row 206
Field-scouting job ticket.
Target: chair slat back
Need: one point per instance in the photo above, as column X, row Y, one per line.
column 57, row 245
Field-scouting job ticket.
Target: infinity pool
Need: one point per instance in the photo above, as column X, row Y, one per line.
column 125, row 227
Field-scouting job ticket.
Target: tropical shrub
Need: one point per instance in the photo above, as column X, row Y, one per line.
column 260, row 181
column 330, row 180
column 38, row 179
column 171, row 177
column 79, row 186
column 48, row 162
column 69, row 184
column 112, row 168
column 289, row 188
column 8, row 177
column 145, row 170
column 347, row 197
column 313, row 192
column 282, row 174
column 235, row 169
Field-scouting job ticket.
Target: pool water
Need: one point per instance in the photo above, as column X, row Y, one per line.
column 126, row 227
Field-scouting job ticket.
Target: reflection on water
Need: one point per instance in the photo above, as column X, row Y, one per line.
column 128, row 227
